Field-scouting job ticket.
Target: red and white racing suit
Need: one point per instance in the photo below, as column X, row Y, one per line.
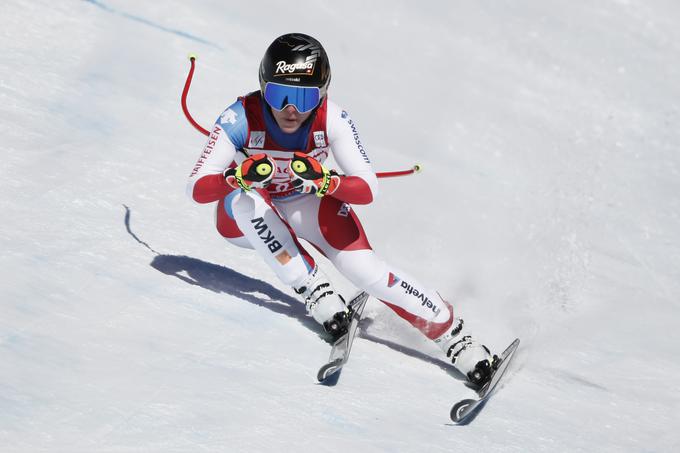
column 273, row 220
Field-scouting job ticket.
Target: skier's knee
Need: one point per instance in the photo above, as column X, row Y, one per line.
column 242, row 205
column 363, row 268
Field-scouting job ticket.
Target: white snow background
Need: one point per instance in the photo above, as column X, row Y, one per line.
column 548, row 209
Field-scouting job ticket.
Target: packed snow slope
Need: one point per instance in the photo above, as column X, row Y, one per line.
column 548, row 209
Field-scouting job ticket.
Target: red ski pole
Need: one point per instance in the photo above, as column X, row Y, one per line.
column 187, row 84
column 391, row 174
column 192, row 58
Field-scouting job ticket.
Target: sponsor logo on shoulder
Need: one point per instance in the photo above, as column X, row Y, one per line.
column 229, row 116
column 256, row 139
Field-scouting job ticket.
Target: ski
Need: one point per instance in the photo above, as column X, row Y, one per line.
column 465, row 411
column 330, row 372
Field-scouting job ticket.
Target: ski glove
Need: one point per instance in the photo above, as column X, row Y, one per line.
column 310, row 176
column 256, row 172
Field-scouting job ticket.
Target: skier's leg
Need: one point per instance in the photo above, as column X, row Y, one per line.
column 250, row 219
column 340, row 236
column 421, row 306
column 336, row 231
column 247, row 219
column 227, row 227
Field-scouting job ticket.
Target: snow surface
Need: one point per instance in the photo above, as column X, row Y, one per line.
column 548, row 209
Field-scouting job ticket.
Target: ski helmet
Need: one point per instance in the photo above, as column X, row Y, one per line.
column 294, row 70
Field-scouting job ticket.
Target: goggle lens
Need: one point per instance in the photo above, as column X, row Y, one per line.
column 304, row 99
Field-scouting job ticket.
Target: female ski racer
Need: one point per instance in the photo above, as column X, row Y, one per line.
column 264, row 166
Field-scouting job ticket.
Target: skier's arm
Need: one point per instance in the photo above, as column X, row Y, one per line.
column 206, row 182
column 359, row 185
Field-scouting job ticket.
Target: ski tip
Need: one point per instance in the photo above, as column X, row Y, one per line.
column 461, row 409
column 331, row 380
column 328, row 370
column 192, row 56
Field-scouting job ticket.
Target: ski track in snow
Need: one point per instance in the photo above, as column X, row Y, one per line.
column 548, row 209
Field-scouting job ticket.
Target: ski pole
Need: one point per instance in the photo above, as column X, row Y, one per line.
column 192, row 58
column 187, row 84
column 417, row 168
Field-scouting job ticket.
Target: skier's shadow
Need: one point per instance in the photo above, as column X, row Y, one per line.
column 221, row 279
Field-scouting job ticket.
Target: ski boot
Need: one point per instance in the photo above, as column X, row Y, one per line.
column 337, row 326
column 472, row 359
column 324, row 305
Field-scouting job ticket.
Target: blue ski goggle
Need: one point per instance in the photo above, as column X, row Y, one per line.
column 304, row 99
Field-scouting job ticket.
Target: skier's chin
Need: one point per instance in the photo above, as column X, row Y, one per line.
column 289, row 126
